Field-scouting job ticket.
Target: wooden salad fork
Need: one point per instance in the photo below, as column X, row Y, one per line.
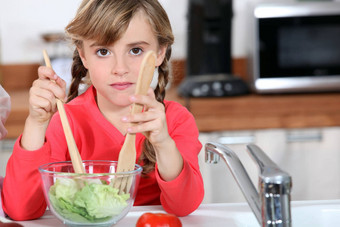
column 77, row 163
column 127, row 155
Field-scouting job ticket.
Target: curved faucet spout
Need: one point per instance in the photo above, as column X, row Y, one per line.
column 239, row 172
column 271, row 205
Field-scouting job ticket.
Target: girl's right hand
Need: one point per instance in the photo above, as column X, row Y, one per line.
column 43, row 94
column 42, row 105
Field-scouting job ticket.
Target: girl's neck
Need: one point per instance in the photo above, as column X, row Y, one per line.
column 114, row 113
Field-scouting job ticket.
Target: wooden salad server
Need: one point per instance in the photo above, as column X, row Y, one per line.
column 72, row 147
column 127, row 155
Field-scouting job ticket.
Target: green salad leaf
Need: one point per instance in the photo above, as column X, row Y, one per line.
column 92, row 202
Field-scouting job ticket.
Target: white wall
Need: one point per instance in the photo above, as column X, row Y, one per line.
column 22, row 22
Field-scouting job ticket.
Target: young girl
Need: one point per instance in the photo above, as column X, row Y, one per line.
column 111, row 39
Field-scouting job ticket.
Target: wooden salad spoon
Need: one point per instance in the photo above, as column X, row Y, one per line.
column 71, row 144
column 127, row 155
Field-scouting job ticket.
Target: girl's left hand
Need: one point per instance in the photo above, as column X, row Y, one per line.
column 152, row 121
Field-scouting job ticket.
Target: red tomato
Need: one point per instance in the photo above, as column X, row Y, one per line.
column 158, row 220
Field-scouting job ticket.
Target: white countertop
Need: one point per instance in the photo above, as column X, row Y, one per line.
column 305, row 213
column 205, row 215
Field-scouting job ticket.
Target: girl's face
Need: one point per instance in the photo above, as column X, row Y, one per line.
column 114, row 69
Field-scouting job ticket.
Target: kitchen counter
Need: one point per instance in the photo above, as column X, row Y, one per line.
column 256, row 111
column 304, row 213
column 246, row 112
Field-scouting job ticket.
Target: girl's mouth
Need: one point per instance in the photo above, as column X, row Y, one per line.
column 121, row 86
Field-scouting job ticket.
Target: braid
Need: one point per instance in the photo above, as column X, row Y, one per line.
column 78, row 73
column 148, row 156
column 163, row 78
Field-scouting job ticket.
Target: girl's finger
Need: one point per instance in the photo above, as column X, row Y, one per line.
column 146, row 100
column 151, row 93
column 45, row 72
column 57, row 88
column 141, row 117
column 143, row 127
column 61, row 82
column 39, row 96
column 42, row 103
column 48, row 74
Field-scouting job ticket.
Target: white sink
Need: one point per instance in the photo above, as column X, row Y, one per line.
column 316, row 214
column 304, row 214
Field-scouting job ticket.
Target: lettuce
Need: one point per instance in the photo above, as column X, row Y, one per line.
column 91, row 203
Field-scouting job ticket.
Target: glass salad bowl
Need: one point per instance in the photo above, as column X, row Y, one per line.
column 88, row 199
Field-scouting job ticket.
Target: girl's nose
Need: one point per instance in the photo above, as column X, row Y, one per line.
column 120, row 67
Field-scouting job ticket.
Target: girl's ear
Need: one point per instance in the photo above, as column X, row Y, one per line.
column 82, row 57
column 161, row 55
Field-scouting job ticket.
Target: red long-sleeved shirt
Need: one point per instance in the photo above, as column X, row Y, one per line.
column 98, row 139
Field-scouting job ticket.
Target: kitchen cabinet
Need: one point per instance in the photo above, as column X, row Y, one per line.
column 311, row 156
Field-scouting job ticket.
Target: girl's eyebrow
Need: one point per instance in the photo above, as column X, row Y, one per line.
column 133, row 44
column 94, row 44
column 138, row 43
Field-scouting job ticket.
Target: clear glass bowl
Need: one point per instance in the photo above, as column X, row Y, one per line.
column 88, row 199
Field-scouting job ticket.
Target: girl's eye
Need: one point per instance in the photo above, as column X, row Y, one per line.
column 136, row 51
column 103, row 52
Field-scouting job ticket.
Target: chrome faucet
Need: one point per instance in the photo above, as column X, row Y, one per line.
column 271, row 204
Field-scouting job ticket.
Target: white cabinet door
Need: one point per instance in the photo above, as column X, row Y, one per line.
column 219, row 183
column 310, row 156
column 314, row 164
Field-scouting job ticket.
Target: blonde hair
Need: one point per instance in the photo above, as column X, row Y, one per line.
column 106, row 21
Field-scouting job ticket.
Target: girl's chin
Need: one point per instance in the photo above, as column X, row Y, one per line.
column 117, row 100
column 121, row 101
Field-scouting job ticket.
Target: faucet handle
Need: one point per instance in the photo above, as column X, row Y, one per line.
column 269, row 171
column 274, row 186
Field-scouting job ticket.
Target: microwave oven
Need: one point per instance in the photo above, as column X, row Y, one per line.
column 295, row 47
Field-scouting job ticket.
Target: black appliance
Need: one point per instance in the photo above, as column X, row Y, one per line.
column 209, row 63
